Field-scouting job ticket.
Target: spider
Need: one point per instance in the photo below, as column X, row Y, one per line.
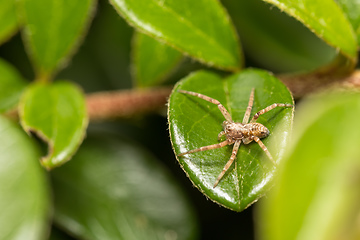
column 236, row 132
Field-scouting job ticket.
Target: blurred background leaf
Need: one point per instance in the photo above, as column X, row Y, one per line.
column 152, row 61
column 11, row 86
column 208, row 37
column 326, row 20
column 317, row 194
column 24, row 193
column 8, row 20
column 274, row 40
column 116, row 190
column 52, row 31
column 194, row 123
column 352, row 10
column 56, row 113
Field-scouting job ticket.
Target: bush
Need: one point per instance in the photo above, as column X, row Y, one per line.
column 93, row 115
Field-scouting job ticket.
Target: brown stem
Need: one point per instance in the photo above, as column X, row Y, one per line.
column 125, row 103
column 301, row 85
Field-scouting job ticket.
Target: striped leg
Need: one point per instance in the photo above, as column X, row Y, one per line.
column 249, row 107
column 261, row 144
column 222, row 133
column 223, row 110
column 269, row 108
column 205, row 148
column 228, row 164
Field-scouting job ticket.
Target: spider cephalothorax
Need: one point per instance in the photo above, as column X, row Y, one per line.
column 236, row 132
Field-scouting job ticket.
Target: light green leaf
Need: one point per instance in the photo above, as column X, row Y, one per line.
column 53, row 30
column 24, row 201
column 56, row 113
column 115, row 190
column 11, row 86
column 352, row 10
column 208, row 37
column 8, row 20
column 152, row 61
column 194, row 122
column 318, row 191
column 326, row 20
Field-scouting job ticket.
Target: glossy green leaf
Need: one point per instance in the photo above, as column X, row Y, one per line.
column 115, row 190
column 8, row 19
column 24, row 201
column 152, row 61
column 56, row 113
column 326, row 20
column 276, row 41
column 53, row 30
column 11, row 86
column 352, row 10
column 318, row 191
column 208, row 37
column 195, row 122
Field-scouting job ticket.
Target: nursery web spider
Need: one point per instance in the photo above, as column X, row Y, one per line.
column 236, row 132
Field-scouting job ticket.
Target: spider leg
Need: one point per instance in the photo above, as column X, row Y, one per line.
column 249, row 107
column 223, row 110
column 271, row 107
column 214, row 146
column 222, row 133
column 228, row 164
column 261, row 144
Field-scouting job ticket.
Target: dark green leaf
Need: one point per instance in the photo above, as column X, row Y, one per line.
column 116, row 190
column 152, row 61
column 326, row 20
column 11, row 86
column 352, row 10
column 24, row 201
column 318, row 191
column 8, row 20
column 275, row 40
column 208, row 37
column 53, row 30
column 56, row 113
column 195, row 123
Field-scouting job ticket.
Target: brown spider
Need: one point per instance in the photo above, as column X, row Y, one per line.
column 236, row 132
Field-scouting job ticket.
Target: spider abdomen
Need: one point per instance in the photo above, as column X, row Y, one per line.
column 255, row 129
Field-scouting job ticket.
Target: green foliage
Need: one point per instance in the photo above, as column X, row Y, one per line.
column 8, row 23
column 317, row 195
column 57, row 114
column 210, row 39
column 276, row 41
column 326, row 20
column 52, row 30
column 152, row 60
column 195, row 123
column 352, row 8
column 115, row 188
column 121, row 189
column 11, row 86
column 24, row 200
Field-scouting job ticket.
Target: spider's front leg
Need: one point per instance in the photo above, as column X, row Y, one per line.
column 223, row 110
column 222, row 133
column 205, row 148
